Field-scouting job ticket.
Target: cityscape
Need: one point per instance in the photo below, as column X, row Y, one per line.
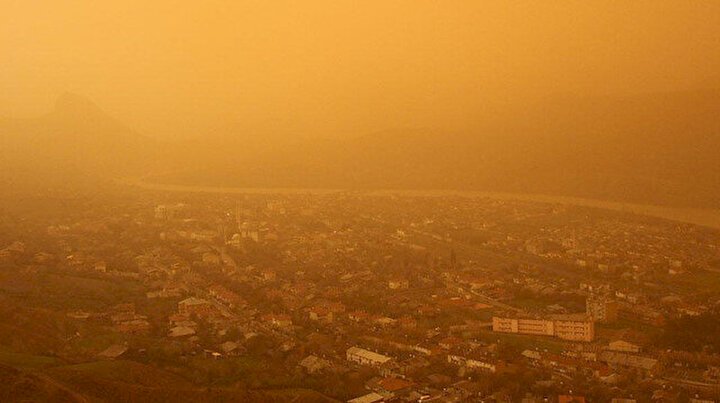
column 361, row 297
column 379, row 201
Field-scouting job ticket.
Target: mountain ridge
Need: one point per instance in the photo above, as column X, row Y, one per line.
column 652, row 148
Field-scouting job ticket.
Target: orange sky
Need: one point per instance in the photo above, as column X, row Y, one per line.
column 341, row 67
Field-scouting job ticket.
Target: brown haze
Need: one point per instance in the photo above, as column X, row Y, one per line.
column 334, row 68
column 559, row 97
column 364, row 201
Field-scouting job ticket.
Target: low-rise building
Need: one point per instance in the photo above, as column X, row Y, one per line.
column 197, row 306
column 366, row 357
column 623, row 347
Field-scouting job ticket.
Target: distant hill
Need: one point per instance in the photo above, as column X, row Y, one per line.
column 655, row 148
column 75, row 142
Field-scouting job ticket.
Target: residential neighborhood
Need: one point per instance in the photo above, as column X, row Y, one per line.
column 370, row 297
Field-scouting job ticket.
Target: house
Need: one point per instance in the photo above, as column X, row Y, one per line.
column 320, row 314
column 101, row 266
column 626, row 360
column 181, row 331
column 366, row 357
column 197, row 306
column 178, row 319
column 623, row 347
column 663, row 395
column 113, row 352
column 390, row 387
column 369, row 398
column 313, row 364
column 464, row 389
column 533, row 355
column 278, row 320
column 712, row 374
column 449, row 342
column 385, row 321
column 398, row 284
column 407, row 322
column 226, row 297
column 230, row 348
column 125, row 319
column 164, row 293
column 139, row 324
column 269, row 275
column 473, row 363
column 358, row 316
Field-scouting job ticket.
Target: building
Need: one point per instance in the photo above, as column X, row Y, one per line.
column 366, row 357
column 197, row 306
column 320, row 314
column 313, row 364
column 278, row 320
column 538, row 327
column 369, row 398
column 226, row 297
column 230, row 348
column 398, row 284
column 575, row 329
column 391, row 387
column 623, row 347
column 165, row 212
column 566, row 328
column 472, row 363
column 614, row 359
column 601, row 308
column 181, row 331
column 114, row 351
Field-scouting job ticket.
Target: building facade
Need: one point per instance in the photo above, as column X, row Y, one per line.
column 366, row 357
column 566, row 329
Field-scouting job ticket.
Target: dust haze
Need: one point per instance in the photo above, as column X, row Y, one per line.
column 374, row 201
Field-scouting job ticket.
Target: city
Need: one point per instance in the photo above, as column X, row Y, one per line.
column 322, row 201
column 364, row 297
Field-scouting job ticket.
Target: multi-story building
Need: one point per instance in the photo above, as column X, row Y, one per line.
column 601, row 308
column 566, row 328
column 574, row 329
column 539, row 327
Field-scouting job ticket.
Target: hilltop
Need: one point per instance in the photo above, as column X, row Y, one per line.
column 75, row 142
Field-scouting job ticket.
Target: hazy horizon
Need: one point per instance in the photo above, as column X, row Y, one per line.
column 337, row 69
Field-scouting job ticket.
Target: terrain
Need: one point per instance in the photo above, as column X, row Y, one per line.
column 653, row 148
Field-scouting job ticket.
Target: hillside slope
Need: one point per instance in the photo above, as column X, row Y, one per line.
column 652, row 149
column 75, row 142
column 125, row 381
column 655, row 149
